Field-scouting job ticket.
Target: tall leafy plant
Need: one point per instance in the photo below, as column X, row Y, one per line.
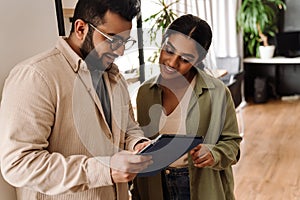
column 159, row 21
column 257, row 19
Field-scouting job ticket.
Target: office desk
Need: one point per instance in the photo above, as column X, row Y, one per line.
column 217, row 73
column 275, row 60
column 282, row 73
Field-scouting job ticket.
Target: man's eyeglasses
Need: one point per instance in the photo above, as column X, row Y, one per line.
column 116, row 41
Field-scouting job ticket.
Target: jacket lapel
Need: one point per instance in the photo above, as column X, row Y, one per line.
column 85, row 77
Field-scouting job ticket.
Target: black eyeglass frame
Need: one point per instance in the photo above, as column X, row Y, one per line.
column 115, row 42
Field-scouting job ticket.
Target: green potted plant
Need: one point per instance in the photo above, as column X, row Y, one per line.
column 257, row 19
column 159, row 21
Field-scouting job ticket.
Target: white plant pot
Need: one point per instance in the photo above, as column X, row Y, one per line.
column 266, row 52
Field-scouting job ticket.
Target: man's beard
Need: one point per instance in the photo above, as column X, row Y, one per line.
column 90, row 55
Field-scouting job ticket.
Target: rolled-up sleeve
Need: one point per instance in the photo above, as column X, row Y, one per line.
column 226, row 151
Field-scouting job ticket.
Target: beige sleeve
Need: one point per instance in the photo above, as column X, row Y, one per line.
column 27, row 114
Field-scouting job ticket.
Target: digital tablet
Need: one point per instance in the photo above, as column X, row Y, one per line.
column 167, row 148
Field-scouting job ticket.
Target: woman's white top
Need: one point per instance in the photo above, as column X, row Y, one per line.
column 175, row 122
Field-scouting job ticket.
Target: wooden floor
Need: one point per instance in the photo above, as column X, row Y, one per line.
column 269, row 167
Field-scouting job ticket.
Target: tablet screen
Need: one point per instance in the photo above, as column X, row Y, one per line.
column 166, row 149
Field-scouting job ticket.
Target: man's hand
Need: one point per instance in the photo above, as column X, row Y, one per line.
column 138, row 147
column 125, row 165
column 202, row 156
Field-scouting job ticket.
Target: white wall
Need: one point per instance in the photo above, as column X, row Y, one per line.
column 27, row 28
column 68, row 4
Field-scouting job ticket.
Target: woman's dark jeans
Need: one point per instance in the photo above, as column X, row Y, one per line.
column 176, row 184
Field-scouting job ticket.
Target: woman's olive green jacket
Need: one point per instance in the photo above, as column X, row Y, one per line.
column 211, row 114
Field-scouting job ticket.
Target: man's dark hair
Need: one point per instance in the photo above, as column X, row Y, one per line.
column 93, row 11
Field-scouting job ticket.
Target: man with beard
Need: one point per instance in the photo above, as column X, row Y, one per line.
column 67, row 126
